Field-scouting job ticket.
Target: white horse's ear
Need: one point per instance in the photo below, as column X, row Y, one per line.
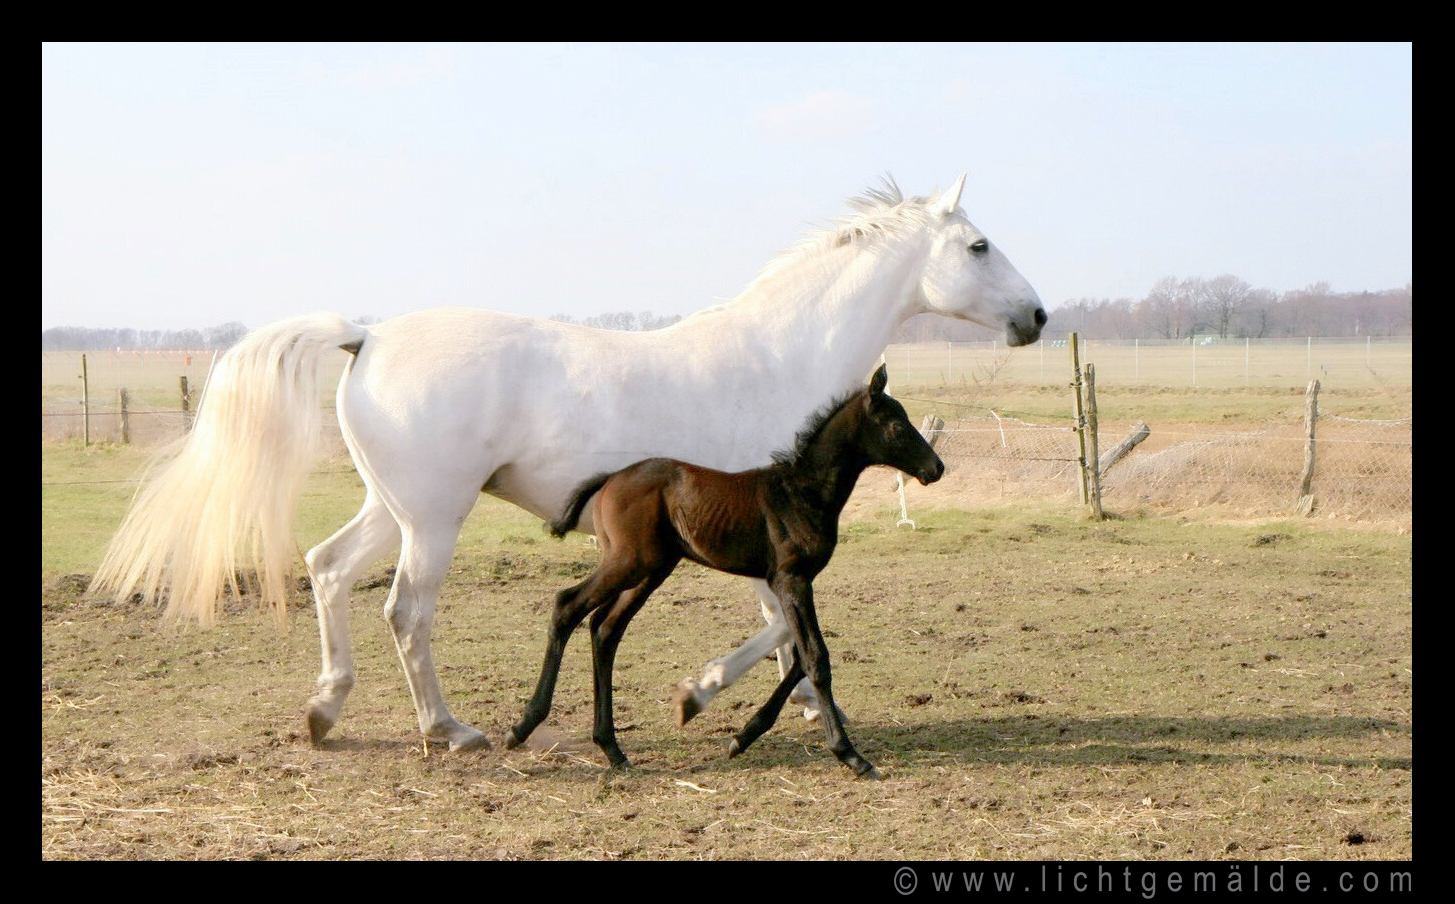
column 950, row 200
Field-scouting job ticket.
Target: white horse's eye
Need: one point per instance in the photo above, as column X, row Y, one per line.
column 979, row 247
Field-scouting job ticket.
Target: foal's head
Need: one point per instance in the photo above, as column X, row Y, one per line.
column 886, row 437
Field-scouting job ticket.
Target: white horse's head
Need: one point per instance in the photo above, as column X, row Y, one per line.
column 966, row 276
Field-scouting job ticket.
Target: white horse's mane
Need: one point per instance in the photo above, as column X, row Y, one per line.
column 876, row 213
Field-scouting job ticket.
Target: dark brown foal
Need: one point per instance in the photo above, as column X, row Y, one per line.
column 779, row 523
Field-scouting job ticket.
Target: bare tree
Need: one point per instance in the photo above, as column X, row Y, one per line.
column 226, row 335
column 1157, row 309
column 1223, row 298
column 1255, row 317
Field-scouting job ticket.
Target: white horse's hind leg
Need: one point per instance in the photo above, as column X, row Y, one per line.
column 693, row 695
column 333, row 567
column 424, row 560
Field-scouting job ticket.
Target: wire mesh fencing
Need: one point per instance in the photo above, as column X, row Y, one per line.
column 1362, row 469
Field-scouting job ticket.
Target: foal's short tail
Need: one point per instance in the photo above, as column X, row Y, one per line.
column 225, row 493
column 579, row 497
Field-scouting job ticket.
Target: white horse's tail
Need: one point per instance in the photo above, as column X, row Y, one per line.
column 227, row 491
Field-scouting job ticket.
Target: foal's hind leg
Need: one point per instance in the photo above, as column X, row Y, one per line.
column 603, row 587
column 333, row 567
column 607, row 627
column 571, row 606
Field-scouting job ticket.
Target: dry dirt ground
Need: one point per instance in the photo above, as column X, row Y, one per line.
column 1034, row 685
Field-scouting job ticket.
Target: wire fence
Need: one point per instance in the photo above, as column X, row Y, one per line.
column 1199, row 362
column 1363, row 468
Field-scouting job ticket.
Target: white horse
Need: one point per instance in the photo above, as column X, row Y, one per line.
column 438, row 406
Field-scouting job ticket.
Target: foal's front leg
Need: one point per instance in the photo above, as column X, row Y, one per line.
column 803, row 693
column 767, row 714
column 796, row 592
column 694, row 694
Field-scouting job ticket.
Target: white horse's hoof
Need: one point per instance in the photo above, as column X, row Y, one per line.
column 477, row 741
column 684, row 700
column 813, row 714
column 460, row 736
column 319, row 724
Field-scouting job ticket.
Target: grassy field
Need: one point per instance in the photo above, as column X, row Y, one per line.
column 1231, row 364
column 1033, row 685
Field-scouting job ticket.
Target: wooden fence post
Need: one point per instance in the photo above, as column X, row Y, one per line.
column 1078, row 410
column 932, row 428
column 85, row 404
column 1310, row 419
column 1092, row 458
column 186, row 403
column 125, row 416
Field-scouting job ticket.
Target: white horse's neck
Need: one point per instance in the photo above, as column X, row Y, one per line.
column 826, row 315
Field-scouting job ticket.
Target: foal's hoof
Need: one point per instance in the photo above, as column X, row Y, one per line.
column 863, row 768
column 734, row 748
column 512, row 740
column 686, row 703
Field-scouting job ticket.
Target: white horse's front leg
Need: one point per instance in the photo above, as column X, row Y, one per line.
column 693, row 695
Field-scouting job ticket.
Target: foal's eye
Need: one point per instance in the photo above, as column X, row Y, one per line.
column 979, row 247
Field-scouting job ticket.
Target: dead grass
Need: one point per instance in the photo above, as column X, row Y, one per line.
column 1033, row 684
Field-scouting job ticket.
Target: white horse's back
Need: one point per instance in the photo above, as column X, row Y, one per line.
column 526, row 409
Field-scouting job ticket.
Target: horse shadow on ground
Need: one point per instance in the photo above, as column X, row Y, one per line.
column 1009, row 740
column 1022, row 740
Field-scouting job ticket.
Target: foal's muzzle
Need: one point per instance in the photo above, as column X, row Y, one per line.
column 930, row 473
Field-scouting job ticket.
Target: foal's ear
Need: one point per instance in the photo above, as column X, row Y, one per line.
column 879, row 380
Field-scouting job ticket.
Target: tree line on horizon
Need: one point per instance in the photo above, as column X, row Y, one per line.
column 1225, row 306
column 1175, row 308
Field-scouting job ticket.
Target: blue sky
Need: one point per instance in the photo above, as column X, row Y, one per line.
column 185, row 186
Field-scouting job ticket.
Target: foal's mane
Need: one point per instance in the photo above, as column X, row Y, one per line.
column 813, row 427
